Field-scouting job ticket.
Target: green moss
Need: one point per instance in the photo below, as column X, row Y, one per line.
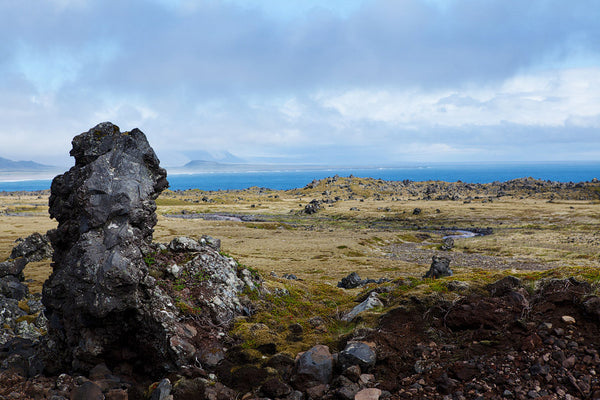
column 303, row 303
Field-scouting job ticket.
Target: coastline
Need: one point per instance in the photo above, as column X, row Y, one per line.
column 286, row 177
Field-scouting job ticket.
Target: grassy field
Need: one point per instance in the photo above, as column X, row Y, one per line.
column 368, row 229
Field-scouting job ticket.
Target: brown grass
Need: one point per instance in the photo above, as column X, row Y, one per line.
column 328, row 245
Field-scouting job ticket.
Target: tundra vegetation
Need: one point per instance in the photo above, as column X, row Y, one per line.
column 302, row 242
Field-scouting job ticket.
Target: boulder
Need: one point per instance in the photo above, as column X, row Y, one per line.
column 33, row 248
column 440, row 267
column 100, row 294
column 353, row 280
column 371, row 302
column 350, row 282
column 210, row 241
column 162, row 391
column 11, row 287
column 181, row 244
column 314, row 366
column 357, row 353
column 13, row 267
column 312, row 207
column 447, row 244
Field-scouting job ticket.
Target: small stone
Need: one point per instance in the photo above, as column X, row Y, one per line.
column 365, row 379
column 317, row 392
column 368, row 394
column 162, row 391
column 353, row 373
column 87, row 391
column 569, row 362
column 567, row 319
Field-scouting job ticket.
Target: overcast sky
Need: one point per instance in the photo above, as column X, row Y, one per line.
column 305, row 81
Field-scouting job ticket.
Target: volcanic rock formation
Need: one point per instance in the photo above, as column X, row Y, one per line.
column 100, row 296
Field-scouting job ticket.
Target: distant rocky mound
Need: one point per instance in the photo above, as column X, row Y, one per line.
column 10, row 165
column 353, row 187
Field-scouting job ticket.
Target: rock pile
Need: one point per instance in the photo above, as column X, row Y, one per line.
column 353, row 280
column 36, row 247
column 21, row 314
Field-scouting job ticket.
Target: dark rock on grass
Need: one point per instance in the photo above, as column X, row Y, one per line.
column 447, row 244
column 353, row 280
column 440, row 267
column 33, row 248
column 504, row 285
column 350, row 282
column 312, row 207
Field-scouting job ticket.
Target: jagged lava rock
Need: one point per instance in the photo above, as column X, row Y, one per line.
column 100, row 294
column 34, row 247
column 440, row 267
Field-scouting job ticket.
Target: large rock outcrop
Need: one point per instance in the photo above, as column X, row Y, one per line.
column 101, row 303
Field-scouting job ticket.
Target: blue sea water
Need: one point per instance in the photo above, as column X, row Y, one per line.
column 473, row 173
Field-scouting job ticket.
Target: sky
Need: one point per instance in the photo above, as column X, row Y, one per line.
column 352, row 82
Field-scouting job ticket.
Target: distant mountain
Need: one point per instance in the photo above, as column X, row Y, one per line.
column 219, row 157
column 201, row 164
column 11, row 166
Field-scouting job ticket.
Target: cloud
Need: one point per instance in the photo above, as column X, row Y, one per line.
column 365, row 80
column 551, row 98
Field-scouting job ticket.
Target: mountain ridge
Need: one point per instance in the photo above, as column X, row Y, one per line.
column 8, row 165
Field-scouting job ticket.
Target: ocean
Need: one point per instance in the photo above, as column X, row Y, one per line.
column 281, row 180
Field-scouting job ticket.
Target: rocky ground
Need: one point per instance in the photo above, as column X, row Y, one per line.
column 128, row 316
column 508, row 339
